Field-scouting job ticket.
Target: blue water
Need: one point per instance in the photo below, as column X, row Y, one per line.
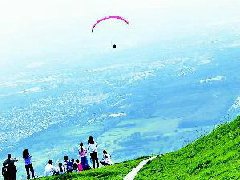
column 152, row 99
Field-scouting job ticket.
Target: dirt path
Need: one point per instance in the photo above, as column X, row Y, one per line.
column 131, row 175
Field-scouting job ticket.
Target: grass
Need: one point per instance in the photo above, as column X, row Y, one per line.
column 214, row 156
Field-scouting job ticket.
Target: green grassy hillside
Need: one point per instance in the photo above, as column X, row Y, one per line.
column 214, row 156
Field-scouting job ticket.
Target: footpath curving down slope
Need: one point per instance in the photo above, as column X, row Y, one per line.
column 131, row 175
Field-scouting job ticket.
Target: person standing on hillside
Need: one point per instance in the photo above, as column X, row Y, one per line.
column 28, row 163
column 83, row 154
column 92, row 148
column 9, row 170
column 12, row 170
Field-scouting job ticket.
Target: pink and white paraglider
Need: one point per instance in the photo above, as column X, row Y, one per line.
column 110, row 17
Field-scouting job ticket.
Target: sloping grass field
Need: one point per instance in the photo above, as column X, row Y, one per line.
column 213, row 156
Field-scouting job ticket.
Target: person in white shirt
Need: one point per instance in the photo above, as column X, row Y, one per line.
column 49, row 169
column 92, row 148
column 106, row 160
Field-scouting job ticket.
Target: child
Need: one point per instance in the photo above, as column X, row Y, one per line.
column 79, row 166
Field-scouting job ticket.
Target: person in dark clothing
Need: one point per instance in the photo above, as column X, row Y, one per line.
column 12, row 170
column 70, row 166
column 65, row 163
column 28, row 163
column 83, row 154
column 92, row 148
column 75, row 166
column 9, row 169
column 9, row 159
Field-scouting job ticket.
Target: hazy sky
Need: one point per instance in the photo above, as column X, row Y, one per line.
column 45, row 30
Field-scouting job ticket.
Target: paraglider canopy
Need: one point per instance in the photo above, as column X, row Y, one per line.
column 110, row 17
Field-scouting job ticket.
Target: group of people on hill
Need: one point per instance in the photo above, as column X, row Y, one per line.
column 71, row 165
column 9, row 169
